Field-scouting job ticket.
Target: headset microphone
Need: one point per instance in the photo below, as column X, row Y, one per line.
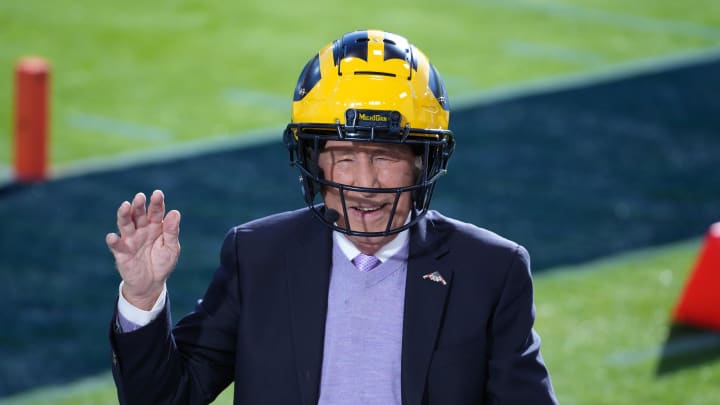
column 331, row 215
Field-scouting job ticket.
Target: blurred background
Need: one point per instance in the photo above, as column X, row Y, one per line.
column 587, row 130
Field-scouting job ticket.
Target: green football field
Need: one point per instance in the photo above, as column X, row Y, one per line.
column 152, row 75
column 134, row 81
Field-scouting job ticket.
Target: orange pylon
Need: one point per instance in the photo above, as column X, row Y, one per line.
column 699, row 304
column 32, row 76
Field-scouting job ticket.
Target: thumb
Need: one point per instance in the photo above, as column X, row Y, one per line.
column 114, row 243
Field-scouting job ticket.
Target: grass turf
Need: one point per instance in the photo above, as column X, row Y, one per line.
column 147, row 75
column 572, row 174
column 603, row 325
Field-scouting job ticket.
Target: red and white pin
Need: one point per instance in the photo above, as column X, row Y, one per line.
column 436, row 277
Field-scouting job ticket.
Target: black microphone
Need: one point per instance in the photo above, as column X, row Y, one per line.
column 331, row 215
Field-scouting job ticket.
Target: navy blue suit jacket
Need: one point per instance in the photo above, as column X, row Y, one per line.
column 261, row 322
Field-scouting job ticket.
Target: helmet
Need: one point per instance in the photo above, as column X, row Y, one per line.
column 370, row 86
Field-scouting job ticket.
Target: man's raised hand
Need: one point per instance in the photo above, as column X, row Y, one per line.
column 146, row 249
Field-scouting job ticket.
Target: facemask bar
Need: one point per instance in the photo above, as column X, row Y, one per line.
column 348, row 229
column 437, row 146
column 342, row 188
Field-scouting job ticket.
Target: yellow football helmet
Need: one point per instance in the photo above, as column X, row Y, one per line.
column 370, row 86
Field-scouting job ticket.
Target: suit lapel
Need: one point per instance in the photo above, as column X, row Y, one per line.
column 424, row 308
column 308, row 265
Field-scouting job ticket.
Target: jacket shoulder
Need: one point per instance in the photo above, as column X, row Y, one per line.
column 465, row 233
column 468, row 245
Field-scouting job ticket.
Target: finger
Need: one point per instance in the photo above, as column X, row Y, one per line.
column 124, row 219
column 171, row 229
column 114, row 243
column 139, row 213
column 156, row 208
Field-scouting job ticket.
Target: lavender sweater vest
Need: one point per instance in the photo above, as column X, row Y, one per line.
column 363, row 332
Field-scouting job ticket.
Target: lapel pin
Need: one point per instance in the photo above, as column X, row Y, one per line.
column 436, row 277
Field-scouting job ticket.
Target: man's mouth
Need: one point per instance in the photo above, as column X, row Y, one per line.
column 367, row 210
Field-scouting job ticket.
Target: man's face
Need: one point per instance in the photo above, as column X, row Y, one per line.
column 371, row 165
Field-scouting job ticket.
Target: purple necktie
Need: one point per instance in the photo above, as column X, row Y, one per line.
column 365, row 263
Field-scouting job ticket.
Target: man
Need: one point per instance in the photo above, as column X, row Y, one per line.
column 364, row 297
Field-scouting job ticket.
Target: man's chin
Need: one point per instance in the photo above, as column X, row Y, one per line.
column 370, row 244
column 380, row 226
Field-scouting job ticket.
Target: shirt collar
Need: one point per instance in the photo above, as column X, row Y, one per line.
column 385, row 252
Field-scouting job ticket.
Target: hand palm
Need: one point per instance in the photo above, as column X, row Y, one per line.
column 147, row 255
column 148, row 248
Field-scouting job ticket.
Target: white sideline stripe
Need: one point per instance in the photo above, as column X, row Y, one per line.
column 216, row 143
column 681, row 346
column 6, row 174
column 586, row 78
column 478, row 98
column 115, row 127
column 252, row 97
column 552, row 52
column 597, row 265
column 461, row 82
column 55, row 393
column 604, row 17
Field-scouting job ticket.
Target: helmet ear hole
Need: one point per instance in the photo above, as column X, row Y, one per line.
column 290, row 142
column 309, row 188
column 311, row 184
column 308, row 155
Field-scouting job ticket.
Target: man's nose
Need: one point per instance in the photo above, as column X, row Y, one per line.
column 366, row 175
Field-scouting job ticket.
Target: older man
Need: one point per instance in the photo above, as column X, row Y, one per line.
column 364, row 297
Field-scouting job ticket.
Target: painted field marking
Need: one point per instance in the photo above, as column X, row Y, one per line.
column 168, row 152
column 115, row 127
column 552, row 53
column 603, row 17
column 458, row 85
column 55, row 393
column 471, row 99
column 602, row 73
column 258, row 98
column 6, row 174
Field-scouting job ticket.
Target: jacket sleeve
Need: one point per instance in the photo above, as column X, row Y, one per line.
column 192, row 363
column 517, row 373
